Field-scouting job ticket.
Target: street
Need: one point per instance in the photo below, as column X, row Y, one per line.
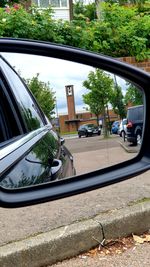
column 95, row 152
column 85, row 144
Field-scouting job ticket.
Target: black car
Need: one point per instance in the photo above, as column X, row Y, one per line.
column 135, row 117
column 88, row 130
column 31, row 151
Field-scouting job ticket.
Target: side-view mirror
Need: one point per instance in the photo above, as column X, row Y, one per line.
column 97, row 104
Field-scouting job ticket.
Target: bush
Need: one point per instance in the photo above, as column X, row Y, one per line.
column 122, row 31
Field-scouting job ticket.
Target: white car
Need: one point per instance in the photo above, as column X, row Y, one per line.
column 123, row 128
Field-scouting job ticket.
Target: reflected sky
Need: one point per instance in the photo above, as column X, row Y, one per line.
column 58, row 73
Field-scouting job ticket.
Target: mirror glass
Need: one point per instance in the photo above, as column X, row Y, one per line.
column 97, row 118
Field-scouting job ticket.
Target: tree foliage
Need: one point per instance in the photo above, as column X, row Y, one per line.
column 122, row 31
column 3, row 3
column 125, row 2
column 81, row 10
column 133, row 95
column 100, row 87
column 117, row 101
column 43, row 93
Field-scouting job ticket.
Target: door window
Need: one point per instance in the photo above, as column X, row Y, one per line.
column 31, row 114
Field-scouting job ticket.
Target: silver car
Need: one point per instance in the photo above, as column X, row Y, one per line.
column 123, row 129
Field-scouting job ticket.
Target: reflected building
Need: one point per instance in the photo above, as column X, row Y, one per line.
column 71, row 121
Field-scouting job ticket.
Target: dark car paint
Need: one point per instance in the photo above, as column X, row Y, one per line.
column 93, row 180
column 45, row 159
column 137, row 124
column 88, row 130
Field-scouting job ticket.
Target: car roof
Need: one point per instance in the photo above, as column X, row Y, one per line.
column 135, row 107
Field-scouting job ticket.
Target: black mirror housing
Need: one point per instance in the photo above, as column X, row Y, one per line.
column 63, row 188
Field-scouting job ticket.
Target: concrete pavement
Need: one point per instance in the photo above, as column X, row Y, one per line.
column 136, row 256
column 70, row 240
column 43, row 234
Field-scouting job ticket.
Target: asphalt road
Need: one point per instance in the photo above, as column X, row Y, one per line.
column 85, row 144
column 92, row 153
column 17, row 224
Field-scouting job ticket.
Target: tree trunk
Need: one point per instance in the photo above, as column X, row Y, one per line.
column 105, row 124
column 108, row 119
column 97, row 119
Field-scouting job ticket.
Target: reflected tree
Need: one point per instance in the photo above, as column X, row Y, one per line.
column 100, row 87
column 32, row 122
column 117, row 101
column 47, row 150
column 43, row 93
column 134, row 96
column 25, row 181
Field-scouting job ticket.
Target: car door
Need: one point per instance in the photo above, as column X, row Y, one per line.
column 36, row 152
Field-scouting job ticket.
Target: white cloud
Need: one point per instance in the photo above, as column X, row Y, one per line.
column 59, row 73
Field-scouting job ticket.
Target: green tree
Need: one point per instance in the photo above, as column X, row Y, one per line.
column 3, row 3
column 122, row 31
column 81, row 10
column 78, row 8
column 100, row 86
column 117, row 101
column 43, row 93
column 133, row 95
column 123, row 2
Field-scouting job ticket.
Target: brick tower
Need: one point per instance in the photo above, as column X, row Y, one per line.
column 70, row 102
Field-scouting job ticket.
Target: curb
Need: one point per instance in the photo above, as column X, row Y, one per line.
column 70, row 240
column 129, row 149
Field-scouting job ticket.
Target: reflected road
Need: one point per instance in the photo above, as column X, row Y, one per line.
column 83, row 144
column 95, row 152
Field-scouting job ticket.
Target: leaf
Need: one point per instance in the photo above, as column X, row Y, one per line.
column 141, row 240
column 138, row 239
column 147, row 238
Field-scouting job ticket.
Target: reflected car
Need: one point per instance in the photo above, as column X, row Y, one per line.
column 122, row 131
column 88, row 130
column 38, row 155
column 135, row 118
column 115, row 127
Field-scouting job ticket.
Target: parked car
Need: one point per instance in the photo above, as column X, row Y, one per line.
column 135, row 118
column 37, row 153
column 115, row 127
column 122, row 131
column 88, row 130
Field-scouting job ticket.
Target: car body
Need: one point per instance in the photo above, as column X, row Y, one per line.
column 46, row 158
column 122, row 131
column 115, row 127
column 135, row 118
column 88, row 130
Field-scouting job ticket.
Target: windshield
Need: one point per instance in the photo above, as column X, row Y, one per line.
column 90, row 125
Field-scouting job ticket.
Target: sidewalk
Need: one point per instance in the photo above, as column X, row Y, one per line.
column 46, row 233
column 70, row 240
column 128, row 147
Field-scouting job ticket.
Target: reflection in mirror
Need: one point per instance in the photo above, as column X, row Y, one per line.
column 98, row 118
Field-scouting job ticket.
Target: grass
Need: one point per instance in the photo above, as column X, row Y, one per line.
column 70, row 133
column 145, row 199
